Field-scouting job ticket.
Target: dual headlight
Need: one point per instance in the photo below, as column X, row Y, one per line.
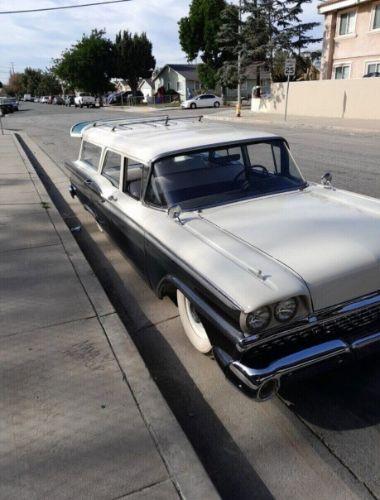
column 283, row 312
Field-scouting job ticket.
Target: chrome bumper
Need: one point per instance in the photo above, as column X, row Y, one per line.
column 262, row 383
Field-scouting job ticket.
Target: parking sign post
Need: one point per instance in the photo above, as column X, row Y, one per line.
column 290, row 70
column 1, row 122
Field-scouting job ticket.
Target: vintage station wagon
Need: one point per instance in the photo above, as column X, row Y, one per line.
column 271, row 273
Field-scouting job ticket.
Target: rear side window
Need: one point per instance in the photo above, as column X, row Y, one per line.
column 112, row 167
column 91, row 154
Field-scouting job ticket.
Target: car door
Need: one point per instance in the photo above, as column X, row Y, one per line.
column 83, row 175
column 203, row 101
column 120, row 207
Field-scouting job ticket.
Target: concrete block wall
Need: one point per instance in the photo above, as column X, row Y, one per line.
column 356, row 99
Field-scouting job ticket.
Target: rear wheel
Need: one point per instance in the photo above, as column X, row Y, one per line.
column 192, row 324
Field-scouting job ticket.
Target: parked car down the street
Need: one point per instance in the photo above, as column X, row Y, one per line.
column 203, row 101
column 84, row 100
column 272, row 273
column 9, row 103
column 58, row 100
column 70, row 100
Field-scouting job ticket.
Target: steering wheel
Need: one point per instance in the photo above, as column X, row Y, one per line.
column 239, row 174
column 260, row 167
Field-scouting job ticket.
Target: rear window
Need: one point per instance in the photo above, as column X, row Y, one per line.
column 91, row 154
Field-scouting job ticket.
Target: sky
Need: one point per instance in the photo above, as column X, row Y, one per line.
column 35, row 39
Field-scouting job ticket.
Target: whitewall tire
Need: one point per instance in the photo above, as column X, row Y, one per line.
column 192, row 325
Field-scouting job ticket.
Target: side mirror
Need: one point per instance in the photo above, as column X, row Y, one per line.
column 174, row 213
column 326, row 180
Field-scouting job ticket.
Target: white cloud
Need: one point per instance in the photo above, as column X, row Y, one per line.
column 35, row 39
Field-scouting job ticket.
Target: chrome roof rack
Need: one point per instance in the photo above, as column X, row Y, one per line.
column 120, row 124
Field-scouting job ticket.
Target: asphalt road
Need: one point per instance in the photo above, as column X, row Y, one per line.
column 321, row 438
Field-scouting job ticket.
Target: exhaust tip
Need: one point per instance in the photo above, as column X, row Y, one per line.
column 268, row 390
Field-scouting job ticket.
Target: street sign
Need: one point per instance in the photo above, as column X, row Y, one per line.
column 290, row 67
column 289, row 70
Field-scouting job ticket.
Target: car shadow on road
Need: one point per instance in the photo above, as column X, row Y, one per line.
column 344, row 399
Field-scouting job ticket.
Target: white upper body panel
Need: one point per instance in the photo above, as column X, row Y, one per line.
column 146, row 142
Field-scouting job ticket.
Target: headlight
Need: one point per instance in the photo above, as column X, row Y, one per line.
column 259, row 319
column 285, row 310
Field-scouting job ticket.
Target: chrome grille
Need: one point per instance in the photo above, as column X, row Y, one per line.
column 346, row 327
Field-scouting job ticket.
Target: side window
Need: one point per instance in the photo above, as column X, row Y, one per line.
column 91, row 154
column 153, row 194
column 264, row 156
column 112, row 167
column 133, row 172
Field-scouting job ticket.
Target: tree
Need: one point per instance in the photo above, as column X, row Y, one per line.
column 49, row 85
column 132, row 57
column 301, row 38
column 31, row 79
column 276, row 26
column 230, row 43
column 15, row 84
column 198, row 36
column 87, row 65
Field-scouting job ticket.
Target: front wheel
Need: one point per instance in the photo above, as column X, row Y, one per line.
column 193, row 105
column 216, row 104
column 192, row 324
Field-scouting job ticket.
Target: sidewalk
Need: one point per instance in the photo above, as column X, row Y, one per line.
column 340, row 124
column 80, row 415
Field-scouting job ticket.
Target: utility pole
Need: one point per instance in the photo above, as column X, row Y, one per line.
column 12, row 70
column 238, row 105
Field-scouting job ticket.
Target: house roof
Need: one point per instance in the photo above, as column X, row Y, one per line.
column 188, row 71
column 149, row 81
column 331, row 5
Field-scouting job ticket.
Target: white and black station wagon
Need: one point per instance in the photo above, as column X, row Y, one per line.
column 270, row 272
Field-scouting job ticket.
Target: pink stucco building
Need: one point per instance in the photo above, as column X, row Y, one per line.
column 351, row 44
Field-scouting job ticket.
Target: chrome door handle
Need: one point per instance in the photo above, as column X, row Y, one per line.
column 112, row 198
column 88, row 182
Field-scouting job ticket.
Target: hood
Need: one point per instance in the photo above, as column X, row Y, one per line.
column 330, row 239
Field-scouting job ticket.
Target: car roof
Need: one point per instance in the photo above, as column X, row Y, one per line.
column 149, row 140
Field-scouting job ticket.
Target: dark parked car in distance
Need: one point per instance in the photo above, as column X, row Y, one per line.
column 69, row 100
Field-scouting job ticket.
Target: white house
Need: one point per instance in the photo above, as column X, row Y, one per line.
column 146, row 86
column 183, row 78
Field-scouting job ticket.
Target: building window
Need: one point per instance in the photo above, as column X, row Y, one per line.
column 342, row 72
column 347, row 23
column 373, row 67
column 178, row 86
column 376, row 18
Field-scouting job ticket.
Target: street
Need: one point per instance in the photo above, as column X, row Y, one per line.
column 321, row 438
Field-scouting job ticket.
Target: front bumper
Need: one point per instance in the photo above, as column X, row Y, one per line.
column 333, row 337
column 263, row 382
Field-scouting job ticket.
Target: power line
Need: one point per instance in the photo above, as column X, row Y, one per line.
column 62, row 7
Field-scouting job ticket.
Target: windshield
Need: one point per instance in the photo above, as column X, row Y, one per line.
column 223, row 175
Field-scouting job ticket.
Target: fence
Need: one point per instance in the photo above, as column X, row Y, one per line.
column 359, row 99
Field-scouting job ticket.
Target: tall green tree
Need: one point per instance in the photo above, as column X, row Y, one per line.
column 198, row 34
column 232, row 44
column 49, row 85
column 87, row 65
column 132, row 57
column 31, row 79
column 276, row 25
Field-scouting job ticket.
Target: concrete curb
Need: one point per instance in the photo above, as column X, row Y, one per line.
column 181, row 461
column 253, row 120
column 144, row 109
